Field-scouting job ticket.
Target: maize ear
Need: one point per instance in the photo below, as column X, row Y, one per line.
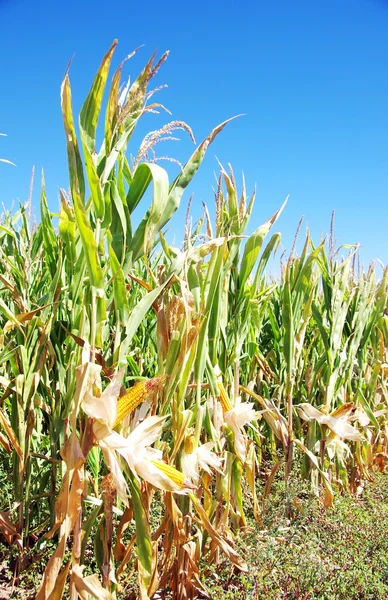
column 223, row 398
column 190, row 444
column 135, row 396
column 172, row 473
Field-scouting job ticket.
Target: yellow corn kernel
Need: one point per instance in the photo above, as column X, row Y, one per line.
column 171, row 472
column 135, row 396
column 223, row 398
column 190, row 444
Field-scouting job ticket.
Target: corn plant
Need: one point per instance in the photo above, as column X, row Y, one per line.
column 139, row 379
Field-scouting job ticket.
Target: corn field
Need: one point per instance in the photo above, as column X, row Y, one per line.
column 140, row 379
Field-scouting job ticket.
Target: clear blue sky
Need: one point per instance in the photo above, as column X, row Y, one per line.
column 311, row 76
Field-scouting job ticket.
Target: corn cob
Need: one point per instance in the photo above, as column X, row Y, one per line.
column 190, row 444
column 223, row 398
column 135, row 396
column 172, row 473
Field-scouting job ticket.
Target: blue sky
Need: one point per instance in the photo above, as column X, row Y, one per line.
column 311, row 77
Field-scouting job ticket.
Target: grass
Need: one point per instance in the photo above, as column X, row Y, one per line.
column 324, row 554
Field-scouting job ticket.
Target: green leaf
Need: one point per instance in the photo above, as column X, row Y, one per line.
column 137, row 316
column 143, row 535
column 48, row 233
column 191, row 167
column 67, row 228
column 140, row 182
column 253, row 247
column 288, row 327
column 91, row 108
column 119, row 289
column 77, row 191
column 155, row 216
